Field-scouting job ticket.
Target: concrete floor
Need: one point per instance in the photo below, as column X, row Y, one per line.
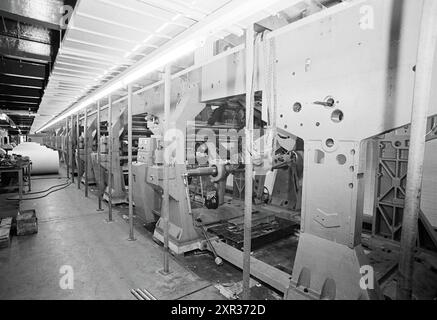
column 105, row 264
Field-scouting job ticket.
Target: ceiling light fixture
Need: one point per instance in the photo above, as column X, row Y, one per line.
column 161, row 28
column 148, row 38
column 177, row 16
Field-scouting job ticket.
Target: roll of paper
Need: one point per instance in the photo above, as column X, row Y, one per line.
column 44, row 160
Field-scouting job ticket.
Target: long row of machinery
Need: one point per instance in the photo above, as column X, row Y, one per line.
column 320, row 108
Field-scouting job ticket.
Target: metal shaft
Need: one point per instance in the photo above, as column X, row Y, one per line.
column 99, row 165
column 110, row 158
column 129, row 134
column 421, row 103
column 202, row 171
column 166, row 200
column 85, row 147
column 248, row 163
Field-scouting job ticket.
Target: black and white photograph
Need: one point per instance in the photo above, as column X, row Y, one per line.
column 218, row 158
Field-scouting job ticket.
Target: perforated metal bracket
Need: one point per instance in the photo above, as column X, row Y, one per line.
column 328, row 220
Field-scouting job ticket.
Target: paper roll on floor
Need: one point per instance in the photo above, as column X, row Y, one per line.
column 44, row 160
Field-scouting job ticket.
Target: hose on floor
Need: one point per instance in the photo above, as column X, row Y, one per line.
column 47, row 191
column 49, row 178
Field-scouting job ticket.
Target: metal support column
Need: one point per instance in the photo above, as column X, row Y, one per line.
column 129, row 134
column 166, row 200
column 85, row 147
column 66, row 148
column 100, row 182
column 248, row 162
column 71, row 150
column 77, row 149
column 421, row 103
column 110, row 158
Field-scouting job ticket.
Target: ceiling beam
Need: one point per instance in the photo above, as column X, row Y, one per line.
column 8, row 109
column 20, row 91
column 25, row 31
column 30, row 34
column 23, row 69
column 11, row 98
column 17, row 105
column 21, row 82
column 25, row 49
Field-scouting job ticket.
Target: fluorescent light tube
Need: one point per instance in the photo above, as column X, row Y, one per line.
column 187, row 42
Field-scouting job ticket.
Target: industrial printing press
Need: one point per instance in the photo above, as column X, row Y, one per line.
column 308, row 100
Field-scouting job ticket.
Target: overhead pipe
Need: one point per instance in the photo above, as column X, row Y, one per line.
column 421, row 102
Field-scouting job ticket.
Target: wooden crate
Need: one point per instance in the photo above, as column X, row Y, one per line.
column 27, row 223
column 6, row 222
column 5, row 232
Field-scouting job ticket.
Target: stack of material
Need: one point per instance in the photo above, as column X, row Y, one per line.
column 5, row 232
column 27, row 223
column 7, row 208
